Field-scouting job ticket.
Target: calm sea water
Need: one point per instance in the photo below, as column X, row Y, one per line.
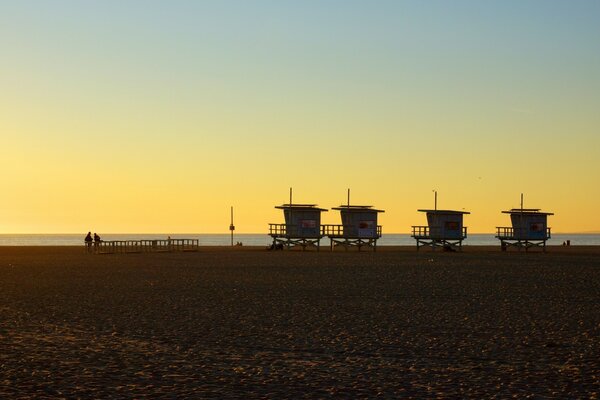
column 265, row 240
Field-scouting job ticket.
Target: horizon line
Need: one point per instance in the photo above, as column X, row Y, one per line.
column 249, row 233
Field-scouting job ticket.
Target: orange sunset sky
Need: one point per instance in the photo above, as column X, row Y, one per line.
column 128, row 116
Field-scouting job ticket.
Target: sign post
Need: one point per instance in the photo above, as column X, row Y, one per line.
column 231, row 226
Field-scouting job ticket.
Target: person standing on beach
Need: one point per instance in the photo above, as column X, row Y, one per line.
column 97, row 241
column 88, row 242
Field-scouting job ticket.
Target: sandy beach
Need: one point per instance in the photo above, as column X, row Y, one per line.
column 248, row 323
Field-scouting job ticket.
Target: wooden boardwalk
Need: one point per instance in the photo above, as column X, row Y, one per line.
column 144, row 246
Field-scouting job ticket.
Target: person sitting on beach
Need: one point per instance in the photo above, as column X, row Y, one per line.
column 276, row 246
column 88, row 241
column 97, row 241
column 449, row 248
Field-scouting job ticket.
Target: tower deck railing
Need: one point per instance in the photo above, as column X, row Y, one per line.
column 293, row 231
column 511, row 233
column 426, row 232
column 349, row 231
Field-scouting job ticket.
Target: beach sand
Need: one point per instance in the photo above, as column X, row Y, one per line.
column 248, row 323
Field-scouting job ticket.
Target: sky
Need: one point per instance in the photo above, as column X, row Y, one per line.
column 158, row 116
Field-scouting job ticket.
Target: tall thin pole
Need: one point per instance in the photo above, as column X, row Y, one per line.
column 521, row 202
column 522, row 216
column 231, row 226
column 435, row 200
column 291, row 220
column 348, row 198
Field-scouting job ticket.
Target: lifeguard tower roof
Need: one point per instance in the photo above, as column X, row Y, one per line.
column 300, row 207
column 444, row 211
column 528, row 211
column 356, row 208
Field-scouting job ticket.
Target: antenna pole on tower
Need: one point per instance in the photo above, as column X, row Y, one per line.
column 521, row 202
column 287, row 230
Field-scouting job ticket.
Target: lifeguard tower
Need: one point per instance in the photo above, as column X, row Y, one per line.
column 529, row 229
column 358, row 229
column 302, row 226
column 444, row 228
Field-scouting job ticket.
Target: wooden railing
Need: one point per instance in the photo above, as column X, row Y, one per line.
column 347, row 230
column 325, row 230
column 145, row 246
column 293, row 231
column 505, row 232
column 281, row 229
column 332, row 230
column 426, row 232
column 420, row 231
column 508, row 232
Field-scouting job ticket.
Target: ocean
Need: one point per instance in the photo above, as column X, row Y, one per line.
column 259, row 239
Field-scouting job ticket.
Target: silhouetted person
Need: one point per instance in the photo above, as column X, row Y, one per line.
column 97, row 241
column 88, row 242
column 449, row 248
